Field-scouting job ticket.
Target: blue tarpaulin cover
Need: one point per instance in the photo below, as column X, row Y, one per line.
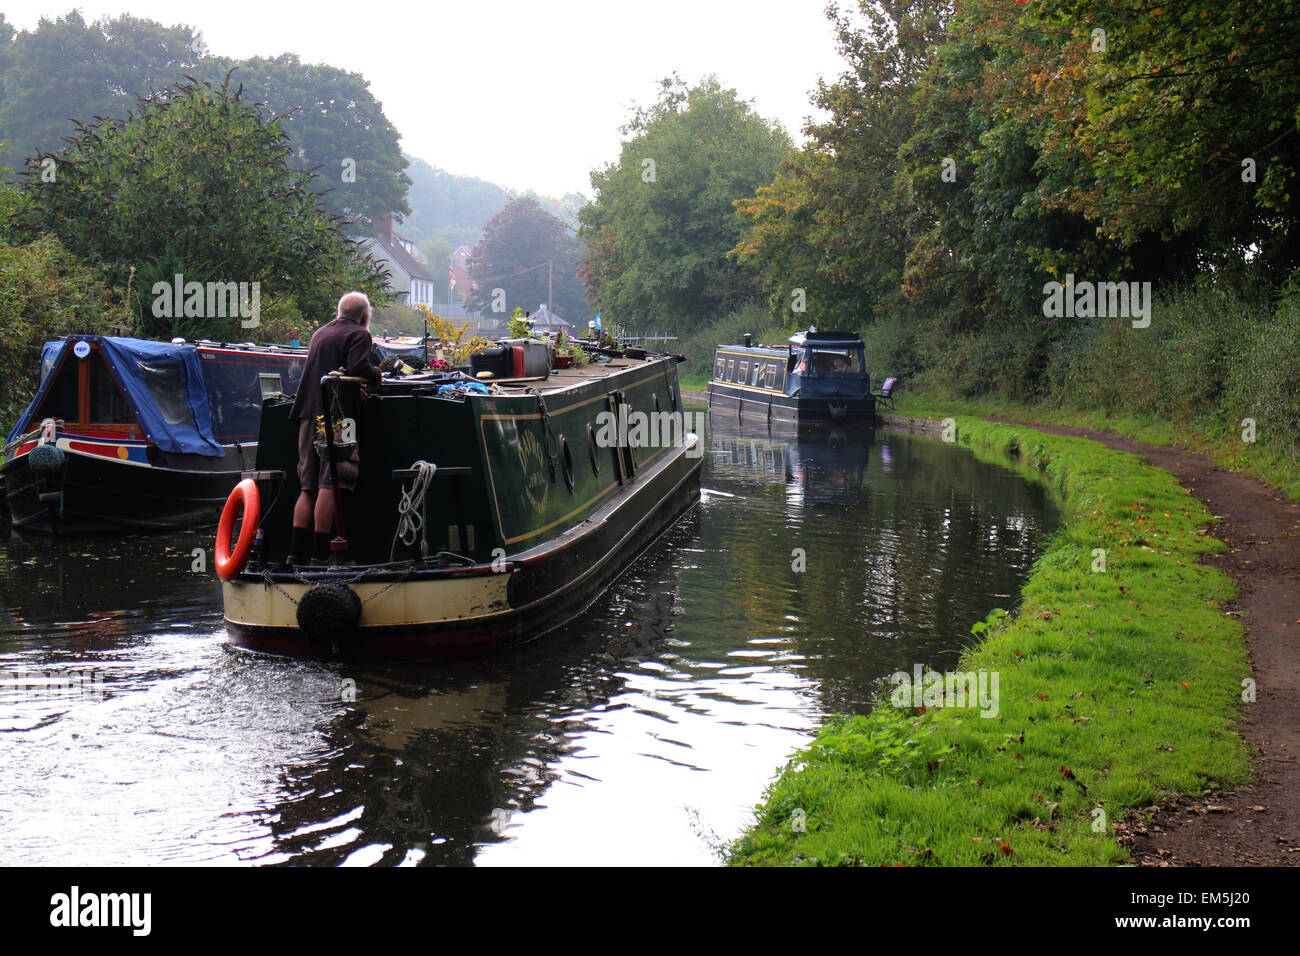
column 176, row 377
column 465, row 385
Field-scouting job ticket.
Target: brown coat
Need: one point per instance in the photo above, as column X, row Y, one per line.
column 336, row 344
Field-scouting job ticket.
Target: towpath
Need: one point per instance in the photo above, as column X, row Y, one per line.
column 1258, row 824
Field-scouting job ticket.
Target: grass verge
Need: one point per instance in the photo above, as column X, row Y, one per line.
column 1116, row 688
column 1210, row 435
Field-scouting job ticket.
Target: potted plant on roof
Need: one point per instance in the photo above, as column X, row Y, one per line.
column 567, row 352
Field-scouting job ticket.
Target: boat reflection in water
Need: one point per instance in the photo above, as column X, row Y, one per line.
column 434, row 763
column 821, row 467
column 866, row 551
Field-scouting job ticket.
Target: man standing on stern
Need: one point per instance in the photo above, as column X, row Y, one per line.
column 343, row 344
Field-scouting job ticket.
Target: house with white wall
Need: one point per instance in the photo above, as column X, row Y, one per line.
column 410, row 280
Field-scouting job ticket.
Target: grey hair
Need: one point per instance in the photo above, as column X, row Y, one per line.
column 355, row 307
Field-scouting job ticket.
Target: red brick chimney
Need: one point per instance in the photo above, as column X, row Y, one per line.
column 384, row 227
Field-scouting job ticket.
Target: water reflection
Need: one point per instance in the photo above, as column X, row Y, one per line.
column 641, row 733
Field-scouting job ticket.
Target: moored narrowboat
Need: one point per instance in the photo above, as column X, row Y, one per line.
column 483, row 514
column 130, row 434
column 816, row 377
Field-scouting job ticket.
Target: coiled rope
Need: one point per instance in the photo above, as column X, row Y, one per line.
column 410, row 510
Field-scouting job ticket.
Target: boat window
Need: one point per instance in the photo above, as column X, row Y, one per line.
column 758, row 373
column 722, row 368
column 591, row 449
column 835, row 361
column 107, row 403
column 567, row 459
column 61, row 399
column 744, row 372
column 270, row 384
column 167, row 388
column 771, row 376
column 47, row 365
column 731, row 367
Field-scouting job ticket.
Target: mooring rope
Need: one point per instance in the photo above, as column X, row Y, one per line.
column 410, row 510
column 23, row 439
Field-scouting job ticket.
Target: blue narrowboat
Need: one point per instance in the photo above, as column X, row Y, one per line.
column 129, row 434
column 815, row 377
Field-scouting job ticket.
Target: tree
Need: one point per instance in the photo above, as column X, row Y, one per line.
column 836, row 224
column 976, row 150
column 512, row 256
column 69, row 68
column 784, row 240
column 1166, row 120
column 662, row 221
column 336, row 126
column 195, row 183
column 7, row 34
column 435, row 252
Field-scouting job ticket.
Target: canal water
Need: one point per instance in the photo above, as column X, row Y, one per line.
column 642, row 733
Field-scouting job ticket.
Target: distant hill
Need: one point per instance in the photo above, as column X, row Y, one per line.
column 454, row 209
column 447, row 206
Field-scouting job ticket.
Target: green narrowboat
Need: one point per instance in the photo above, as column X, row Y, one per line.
column 478, row 520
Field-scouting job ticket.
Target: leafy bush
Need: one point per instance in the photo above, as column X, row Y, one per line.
column 452, row 336
column 1214, row 352
column 48, row 293
column 196, row 183
column 1263, row 380
column 892, row 348
column 1207, row 349
column 728, row 330
column 1009, row 359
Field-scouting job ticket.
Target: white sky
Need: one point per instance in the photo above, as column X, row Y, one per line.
column 475, row 88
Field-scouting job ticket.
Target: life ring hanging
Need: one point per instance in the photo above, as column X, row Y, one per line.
column 249, row 500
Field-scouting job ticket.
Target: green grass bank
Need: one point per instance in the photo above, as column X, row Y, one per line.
column 1207, row 434
column 1116, row 686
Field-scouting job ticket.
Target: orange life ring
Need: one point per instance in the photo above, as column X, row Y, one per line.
column 249, row 499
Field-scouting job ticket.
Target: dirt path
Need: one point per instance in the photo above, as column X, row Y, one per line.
column 1259, row 824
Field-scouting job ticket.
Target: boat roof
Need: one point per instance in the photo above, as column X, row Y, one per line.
column 800, row 339
column 132, row 361
column 567, row 377
column 558, row 380
column 762, row 349
column 209, row 344
column 812, row 337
